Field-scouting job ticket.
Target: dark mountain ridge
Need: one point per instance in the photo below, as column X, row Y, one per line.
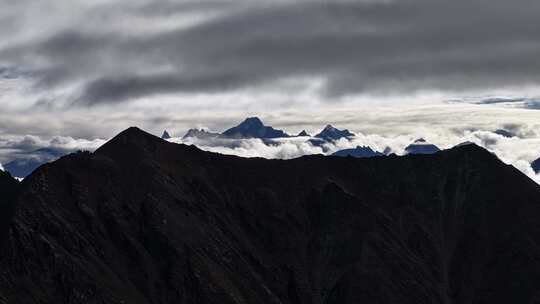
column 142, row 220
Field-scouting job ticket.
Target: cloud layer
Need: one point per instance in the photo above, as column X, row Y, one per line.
column 117, row 51
column 28, row 146
column 516, row 151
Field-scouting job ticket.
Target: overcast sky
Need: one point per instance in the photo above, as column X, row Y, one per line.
column 77, row 72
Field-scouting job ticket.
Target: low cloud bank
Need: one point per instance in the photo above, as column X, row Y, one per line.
column 519, row 150
column 516, row 151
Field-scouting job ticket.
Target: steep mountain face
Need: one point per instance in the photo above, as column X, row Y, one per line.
column 26, row 163
column 142, row 220
column 329, row 133
column 421, row 146
column 200, row 133
column 253, row 127
column 358, row 152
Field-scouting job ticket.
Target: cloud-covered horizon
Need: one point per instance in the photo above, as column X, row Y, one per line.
column 514, row 144
column 29, row 146
column 516, row 151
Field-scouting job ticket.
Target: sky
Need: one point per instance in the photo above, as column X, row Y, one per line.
column 75, row 73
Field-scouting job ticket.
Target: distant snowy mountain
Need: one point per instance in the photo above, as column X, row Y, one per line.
column 303, row 133
column 359, row 152
column 329, row 133
column 504, row 133
column 253, row 127
column 387, row 151
column 536, row 165
column 165, row 135
column 200, row 133
column 421, row 146
column 26, row 163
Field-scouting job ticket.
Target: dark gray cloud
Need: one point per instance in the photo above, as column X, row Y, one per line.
column 356, row 47
column 124, row 88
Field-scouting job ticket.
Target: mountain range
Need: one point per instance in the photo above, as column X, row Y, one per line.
column 142, row 220
column 252, row 127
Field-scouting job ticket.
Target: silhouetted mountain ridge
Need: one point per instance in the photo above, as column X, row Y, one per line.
column 142, row 220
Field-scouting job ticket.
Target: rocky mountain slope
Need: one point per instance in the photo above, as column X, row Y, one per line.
column 142, row 220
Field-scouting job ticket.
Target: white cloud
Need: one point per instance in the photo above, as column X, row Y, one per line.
column 282, row 149
column 378, row 125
